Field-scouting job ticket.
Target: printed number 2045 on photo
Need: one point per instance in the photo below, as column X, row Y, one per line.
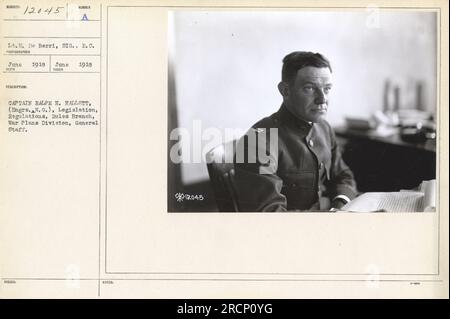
column 182, row 196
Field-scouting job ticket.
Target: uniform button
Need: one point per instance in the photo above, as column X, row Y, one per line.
column 294, row 185
column 320, row 165
column 311, row 143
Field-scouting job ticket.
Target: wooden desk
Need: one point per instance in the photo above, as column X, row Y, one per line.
column 385, row 164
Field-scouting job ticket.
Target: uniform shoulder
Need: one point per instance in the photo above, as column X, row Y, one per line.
column 267, row 122
column 263, row 126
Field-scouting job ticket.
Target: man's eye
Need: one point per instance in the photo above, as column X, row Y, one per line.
column 327, row 89
column 308, row 89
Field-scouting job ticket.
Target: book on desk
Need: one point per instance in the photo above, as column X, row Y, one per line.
column 422, row 199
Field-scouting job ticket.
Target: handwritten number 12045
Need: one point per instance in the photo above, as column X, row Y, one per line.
column 48, row 10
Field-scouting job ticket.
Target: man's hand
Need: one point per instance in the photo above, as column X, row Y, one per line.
column 337, row 204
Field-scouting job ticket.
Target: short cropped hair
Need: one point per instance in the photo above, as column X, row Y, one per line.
column 299, row 59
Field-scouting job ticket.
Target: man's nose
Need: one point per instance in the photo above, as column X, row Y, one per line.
column 320, row 97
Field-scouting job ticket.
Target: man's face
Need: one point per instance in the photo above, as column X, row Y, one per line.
column 308, row 94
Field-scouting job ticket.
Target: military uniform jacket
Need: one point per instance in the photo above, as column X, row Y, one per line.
column 305, row 165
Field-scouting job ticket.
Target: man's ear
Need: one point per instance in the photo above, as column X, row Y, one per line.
column 283, row 88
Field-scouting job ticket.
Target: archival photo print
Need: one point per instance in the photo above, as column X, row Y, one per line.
column 302, row 111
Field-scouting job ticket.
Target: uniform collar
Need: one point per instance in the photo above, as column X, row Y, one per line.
column 289, row 119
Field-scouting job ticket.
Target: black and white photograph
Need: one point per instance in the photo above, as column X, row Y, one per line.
column 146, row 146
column 302, row 110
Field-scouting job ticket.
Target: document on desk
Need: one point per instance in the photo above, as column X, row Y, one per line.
column 423, row 200
column 87, row 89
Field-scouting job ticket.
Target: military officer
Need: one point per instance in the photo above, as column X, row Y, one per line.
column 302, row 169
